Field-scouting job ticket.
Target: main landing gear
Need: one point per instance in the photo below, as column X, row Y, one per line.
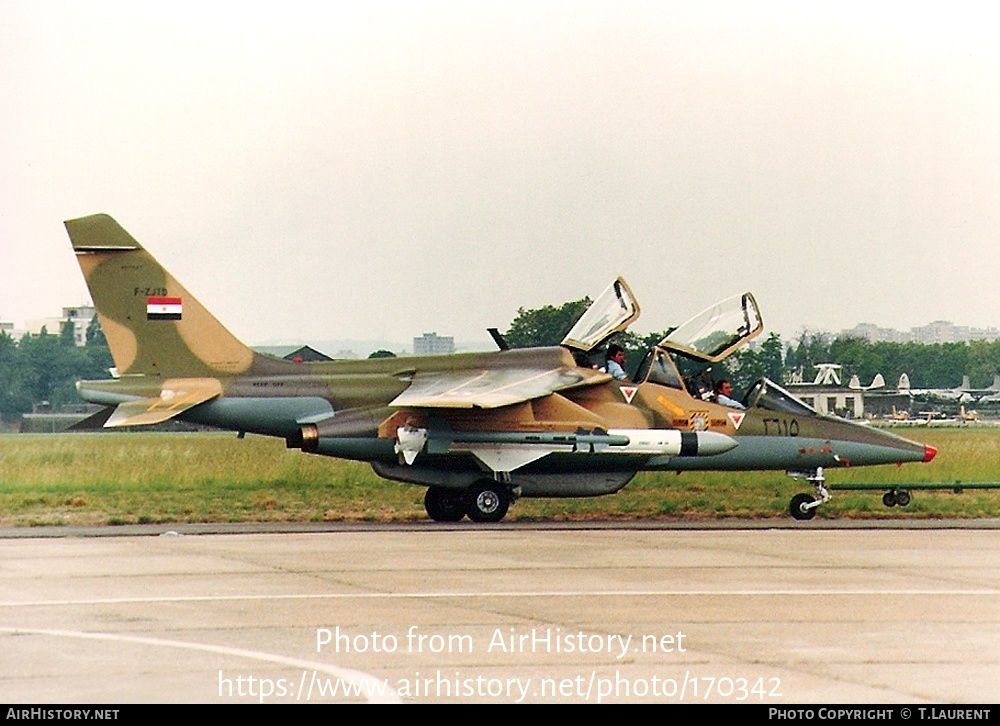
column 484, row 501
column 444, row 505
column 896, row 496
column 803, row 506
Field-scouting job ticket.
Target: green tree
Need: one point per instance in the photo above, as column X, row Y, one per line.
column 47, row 365
column 544, row 326
column 984, row 362
column 97, row 360
column 382, row 354
column 95, row 334
column 771, row 357
column 810, row 349
column 751, row 363
column 13, row 397
column 636, row 346
column 67, row 335
column 45, row 368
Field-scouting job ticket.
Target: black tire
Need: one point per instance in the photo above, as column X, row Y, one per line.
column 889, row 499
column 902, row 498
column 795, row 508
column 444, row 505
column 487, row 502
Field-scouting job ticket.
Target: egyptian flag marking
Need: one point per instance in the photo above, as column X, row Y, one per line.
column 163, row 308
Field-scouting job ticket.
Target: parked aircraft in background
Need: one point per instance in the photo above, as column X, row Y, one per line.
column 877, row 384
column 986, row 396
column 961, row 394
column 478, row 430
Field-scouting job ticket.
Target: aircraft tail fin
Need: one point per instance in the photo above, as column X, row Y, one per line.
column 153, row 325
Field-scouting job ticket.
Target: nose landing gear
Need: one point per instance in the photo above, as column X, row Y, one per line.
column 803, row 506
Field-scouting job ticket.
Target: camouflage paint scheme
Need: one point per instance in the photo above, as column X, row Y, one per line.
column 478, row 429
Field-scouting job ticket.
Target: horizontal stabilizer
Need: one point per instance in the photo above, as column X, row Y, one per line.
column 177, row 396
column 93, row 422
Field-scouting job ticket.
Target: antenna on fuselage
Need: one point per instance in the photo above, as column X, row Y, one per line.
column 498, row 338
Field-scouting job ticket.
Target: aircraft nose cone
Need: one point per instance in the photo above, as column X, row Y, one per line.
column 929, row 453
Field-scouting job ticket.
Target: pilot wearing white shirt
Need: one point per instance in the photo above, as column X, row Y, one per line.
column 723, row 391
column 616, row 362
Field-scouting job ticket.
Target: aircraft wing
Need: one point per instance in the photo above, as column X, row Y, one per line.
column 491, row 388
column 177, row 395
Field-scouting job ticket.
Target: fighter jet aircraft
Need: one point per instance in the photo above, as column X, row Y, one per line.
column 478, row 430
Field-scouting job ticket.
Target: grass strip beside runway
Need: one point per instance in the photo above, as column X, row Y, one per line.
column 129, row 478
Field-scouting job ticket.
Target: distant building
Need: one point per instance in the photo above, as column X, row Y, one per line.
column 433, row 344
column 940, row 331
column 876, row 334
column 298, row 353
column 80, row 316
column 831, row 399
column 827, row 395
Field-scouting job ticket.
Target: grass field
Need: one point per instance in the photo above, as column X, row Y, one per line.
column 98, row 479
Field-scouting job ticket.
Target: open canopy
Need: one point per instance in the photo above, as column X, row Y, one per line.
column 613, row 310
column 710, row 336
column 718, row 331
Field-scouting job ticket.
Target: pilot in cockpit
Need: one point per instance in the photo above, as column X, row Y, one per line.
column 723, row 393
column 616, row 362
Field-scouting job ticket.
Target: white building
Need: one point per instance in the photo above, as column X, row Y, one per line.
column 80, row 316
column 433, row 344
column 827, row 395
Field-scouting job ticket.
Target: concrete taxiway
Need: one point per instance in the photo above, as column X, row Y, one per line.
column 504, row 614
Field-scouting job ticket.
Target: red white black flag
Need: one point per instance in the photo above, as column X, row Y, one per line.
column 163, row 308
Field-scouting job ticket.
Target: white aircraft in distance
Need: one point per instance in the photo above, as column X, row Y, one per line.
column 961, row 394
column 878, row 383
column 990, row 395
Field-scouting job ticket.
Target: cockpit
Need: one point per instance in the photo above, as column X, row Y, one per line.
column 684, row 358
column 768, row 395
column 708, row 338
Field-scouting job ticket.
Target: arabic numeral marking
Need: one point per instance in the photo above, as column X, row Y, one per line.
column 781, row 427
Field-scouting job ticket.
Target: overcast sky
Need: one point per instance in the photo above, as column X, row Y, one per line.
column 320, row 170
